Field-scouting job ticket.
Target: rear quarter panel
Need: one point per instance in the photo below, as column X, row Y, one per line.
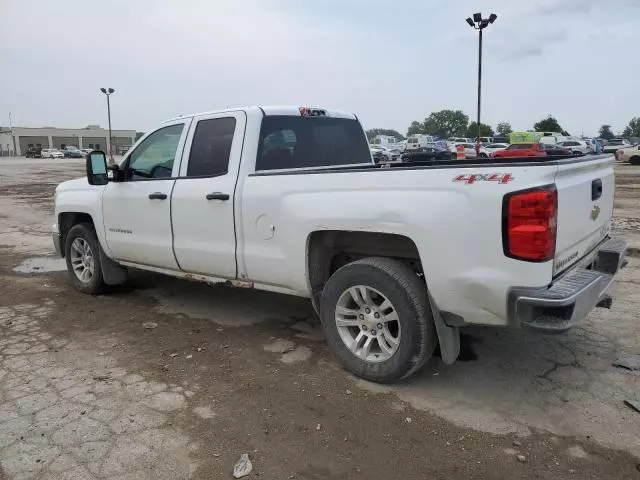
column 456, row 226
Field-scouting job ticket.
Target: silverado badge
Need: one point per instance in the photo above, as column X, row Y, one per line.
column 595, row 211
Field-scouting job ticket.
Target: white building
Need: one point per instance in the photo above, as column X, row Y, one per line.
column 91, row 136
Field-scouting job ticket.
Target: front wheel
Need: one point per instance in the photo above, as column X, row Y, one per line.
column 377, row 319
column 82, row 253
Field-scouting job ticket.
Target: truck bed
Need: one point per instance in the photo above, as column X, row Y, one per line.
column 441, row 164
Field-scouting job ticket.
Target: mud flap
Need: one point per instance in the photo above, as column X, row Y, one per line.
column 449, row 337
column 112, row 273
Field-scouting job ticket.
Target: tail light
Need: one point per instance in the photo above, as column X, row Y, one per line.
column 529, row 220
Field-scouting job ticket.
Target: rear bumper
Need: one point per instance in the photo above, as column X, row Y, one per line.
column 570, row 299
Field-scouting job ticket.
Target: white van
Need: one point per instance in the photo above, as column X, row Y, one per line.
column 418, row 142
column 551, row 138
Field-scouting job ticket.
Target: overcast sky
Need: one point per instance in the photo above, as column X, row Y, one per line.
column 389, row 61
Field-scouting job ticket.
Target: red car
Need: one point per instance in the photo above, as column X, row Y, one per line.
column 521, row 150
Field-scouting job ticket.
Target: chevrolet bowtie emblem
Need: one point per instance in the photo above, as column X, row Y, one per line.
column 595, row 211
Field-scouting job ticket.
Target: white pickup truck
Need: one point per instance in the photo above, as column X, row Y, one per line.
column 394, row 258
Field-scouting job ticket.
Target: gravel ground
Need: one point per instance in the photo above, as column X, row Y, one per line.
column 87, row 392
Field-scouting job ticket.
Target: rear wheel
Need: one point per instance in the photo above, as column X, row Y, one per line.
column 82, row 253
column 377, row 319
column 634, row 160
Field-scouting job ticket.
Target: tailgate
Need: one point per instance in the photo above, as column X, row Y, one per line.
column 585, row 206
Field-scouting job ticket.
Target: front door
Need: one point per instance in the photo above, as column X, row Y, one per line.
column 137, row 212
column 202, row 205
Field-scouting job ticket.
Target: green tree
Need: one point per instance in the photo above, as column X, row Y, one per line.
column 446, row 123
column 633, row 129
column 415, row 128
column 485, row 130
column 383, row 131
column 549, row 124
column 605, row 132
column 504, row 129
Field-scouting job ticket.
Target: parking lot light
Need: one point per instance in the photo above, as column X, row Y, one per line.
column 479, row 23
column 108, row 92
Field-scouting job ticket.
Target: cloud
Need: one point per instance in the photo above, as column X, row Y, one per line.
column 390, row 65
column 555, row 7
column 525, row 44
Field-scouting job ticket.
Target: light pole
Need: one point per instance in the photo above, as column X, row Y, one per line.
column 108, row 92
column 479, row 23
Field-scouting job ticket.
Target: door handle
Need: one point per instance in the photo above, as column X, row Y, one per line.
column 217, row 196
column 157, row 196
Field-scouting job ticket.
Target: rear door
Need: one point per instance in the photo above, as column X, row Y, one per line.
column 585, row 207
column 202, row 204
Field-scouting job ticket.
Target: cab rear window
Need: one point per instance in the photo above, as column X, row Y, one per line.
column 288, row 141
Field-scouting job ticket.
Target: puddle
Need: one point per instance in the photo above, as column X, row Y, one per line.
column 41, row 265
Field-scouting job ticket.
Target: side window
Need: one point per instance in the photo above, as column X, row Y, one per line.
column 154, row 157
column 211, row 147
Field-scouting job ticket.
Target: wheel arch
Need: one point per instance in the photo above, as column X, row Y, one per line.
column 328, row 250
column 112, row 272
column 67, row 220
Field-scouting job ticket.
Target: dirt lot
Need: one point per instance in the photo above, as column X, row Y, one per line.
column 87, row 392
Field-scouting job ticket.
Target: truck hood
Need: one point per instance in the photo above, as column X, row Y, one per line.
column 75, row 184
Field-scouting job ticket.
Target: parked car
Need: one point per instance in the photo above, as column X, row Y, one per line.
column 385, row 154
column 431, row 152
column 418, row 142
column 486, row 150
column 52, row 153
column 577, row 147
column 555, row 150
column 73, row 152
column 86, row 151
column 521, row 150
column 629, row 154
column 33, row 152
column 382, row 252
column 453, row 140
column 615, row 144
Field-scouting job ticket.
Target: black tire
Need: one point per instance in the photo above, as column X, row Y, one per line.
column 635, row 160
column 86, row 232
column 408, row 294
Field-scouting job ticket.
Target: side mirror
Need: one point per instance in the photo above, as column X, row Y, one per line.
column 97, row 168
